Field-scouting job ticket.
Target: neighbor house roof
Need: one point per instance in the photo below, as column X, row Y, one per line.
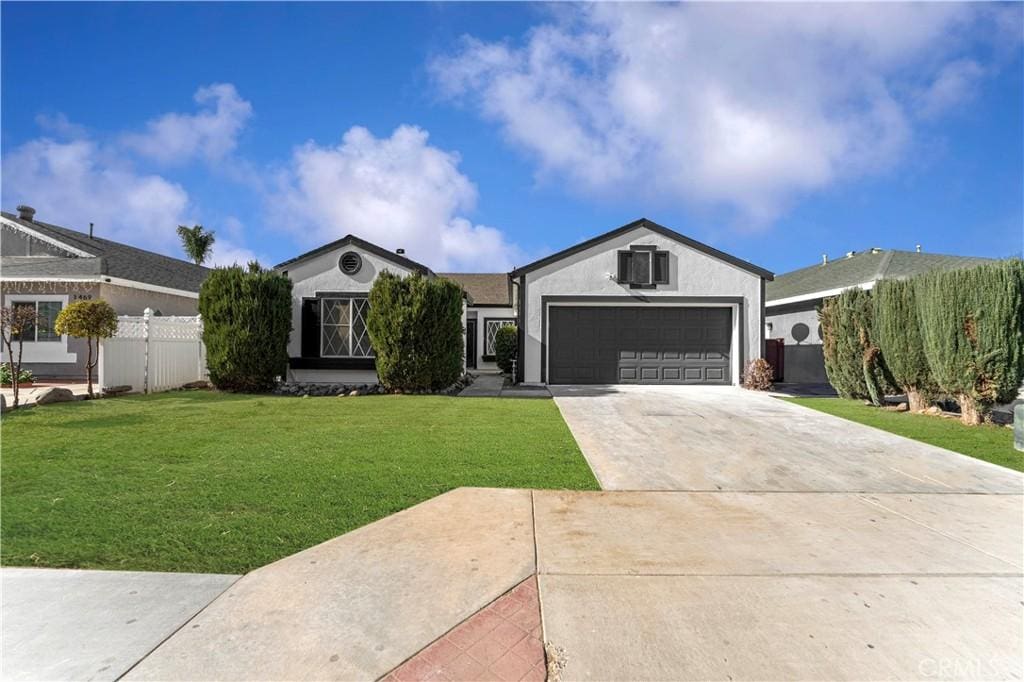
column 654, row 227
column 396, row 258
column 105, row 258
column 859, row 269
column 484, row 288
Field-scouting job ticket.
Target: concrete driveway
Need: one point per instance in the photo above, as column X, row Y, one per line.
column 722, row 438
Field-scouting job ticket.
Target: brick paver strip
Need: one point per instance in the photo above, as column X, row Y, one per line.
column 501, row 641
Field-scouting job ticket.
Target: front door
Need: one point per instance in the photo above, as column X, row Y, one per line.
column 470, row 344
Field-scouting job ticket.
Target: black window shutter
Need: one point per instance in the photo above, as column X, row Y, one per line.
column 661, row 267
column 625, row 267
column 310, row 328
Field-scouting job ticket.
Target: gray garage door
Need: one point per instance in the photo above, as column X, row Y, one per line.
column 639, row 345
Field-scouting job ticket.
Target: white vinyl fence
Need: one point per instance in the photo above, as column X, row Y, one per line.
column 152, row 354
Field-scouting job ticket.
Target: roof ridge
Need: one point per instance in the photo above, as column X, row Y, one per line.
column 883, row 266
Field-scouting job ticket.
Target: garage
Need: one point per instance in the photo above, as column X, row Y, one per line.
column 639, row 345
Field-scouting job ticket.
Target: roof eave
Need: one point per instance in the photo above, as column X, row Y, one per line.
column 407, row 263
column 655, row 227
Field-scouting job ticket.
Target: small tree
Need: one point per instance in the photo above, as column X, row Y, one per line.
column 899, row 337
column 89, row 320
column 415, row 326
column 506, row 346
column 246, row 322
column 197, row 242
column 972, row 325
column 16, row 322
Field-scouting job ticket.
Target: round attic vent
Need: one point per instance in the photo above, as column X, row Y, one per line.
column 350, row 262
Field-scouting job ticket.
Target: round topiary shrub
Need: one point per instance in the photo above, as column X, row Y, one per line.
column 247, row 317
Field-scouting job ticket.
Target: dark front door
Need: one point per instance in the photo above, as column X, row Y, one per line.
column 639, row 345
column 470, row 344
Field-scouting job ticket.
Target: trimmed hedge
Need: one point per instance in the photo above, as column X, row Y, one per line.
column 898, row 333
column 853, row 359
column 247, row 317
column 972, row 327
column 415, row 326
column 506, row 346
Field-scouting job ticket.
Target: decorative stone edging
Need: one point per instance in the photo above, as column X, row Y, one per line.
column 301, row 389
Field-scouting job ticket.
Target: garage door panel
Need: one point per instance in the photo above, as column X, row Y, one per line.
column 639, row 344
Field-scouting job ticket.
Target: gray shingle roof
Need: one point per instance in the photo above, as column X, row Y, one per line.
column 866, row 266
column 484, row 288
column 111, row 258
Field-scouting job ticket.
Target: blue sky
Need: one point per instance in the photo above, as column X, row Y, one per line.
column 481, row 136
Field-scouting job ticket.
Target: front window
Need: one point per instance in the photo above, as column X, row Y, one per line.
column 45, row 330
column 491, row 331
column 343, row 328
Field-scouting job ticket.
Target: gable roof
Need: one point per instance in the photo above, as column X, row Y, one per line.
column 484, row 288
column 654, row 227
column 348, row 239
column 861, row 268
column 106, row 257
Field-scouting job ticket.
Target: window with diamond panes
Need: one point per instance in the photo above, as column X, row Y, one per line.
column 491, row 330
column 343, row 328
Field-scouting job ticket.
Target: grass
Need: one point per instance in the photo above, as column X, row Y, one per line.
column 988, row 442
column 212, row 482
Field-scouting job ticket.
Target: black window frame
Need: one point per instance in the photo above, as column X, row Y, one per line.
column 627, row 271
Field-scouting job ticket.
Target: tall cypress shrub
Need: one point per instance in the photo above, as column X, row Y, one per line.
column 898, row 335
column 415, row 326
column 853, row 361
column 972, row 325
column 246, row 322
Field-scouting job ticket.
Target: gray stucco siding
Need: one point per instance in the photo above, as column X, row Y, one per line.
column 693, row 276
column 797, row 325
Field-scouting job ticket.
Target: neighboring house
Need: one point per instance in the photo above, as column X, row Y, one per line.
column 48, row 267
column 639, row 304
column 793, row 299
column 490, row 306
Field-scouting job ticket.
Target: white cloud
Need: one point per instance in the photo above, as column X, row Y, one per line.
column 76, row 182
column 746, row 106
column 211, row 133
column 398, row 191
column 955, row 83
column 72, row 178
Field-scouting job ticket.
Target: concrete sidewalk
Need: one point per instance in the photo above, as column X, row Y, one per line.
column 93, row 625
column 641, row 585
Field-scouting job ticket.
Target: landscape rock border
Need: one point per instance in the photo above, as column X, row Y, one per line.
column 300, row 389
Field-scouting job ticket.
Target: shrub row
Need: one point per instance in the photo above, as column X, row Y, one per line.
column 957, row 332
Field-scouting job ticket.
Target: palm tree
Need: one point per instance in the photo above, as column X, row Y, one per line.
column 197, row 242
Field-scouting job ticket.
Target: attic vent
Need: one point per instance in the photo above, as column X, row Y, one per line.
column 350, row 262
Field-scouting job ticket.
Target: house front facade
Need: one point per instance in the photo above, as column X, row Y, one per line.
column 47, row 267
column 640, row 304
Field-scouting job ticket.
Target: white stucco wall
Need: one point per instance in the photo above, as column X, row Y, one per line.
column 783, row 325
column 592, row 273
column 482, row 315
column 321, row 273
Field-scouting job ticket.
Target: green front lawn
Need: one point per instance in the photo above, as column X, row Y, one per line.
column 213, row 482
column 990, row 443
